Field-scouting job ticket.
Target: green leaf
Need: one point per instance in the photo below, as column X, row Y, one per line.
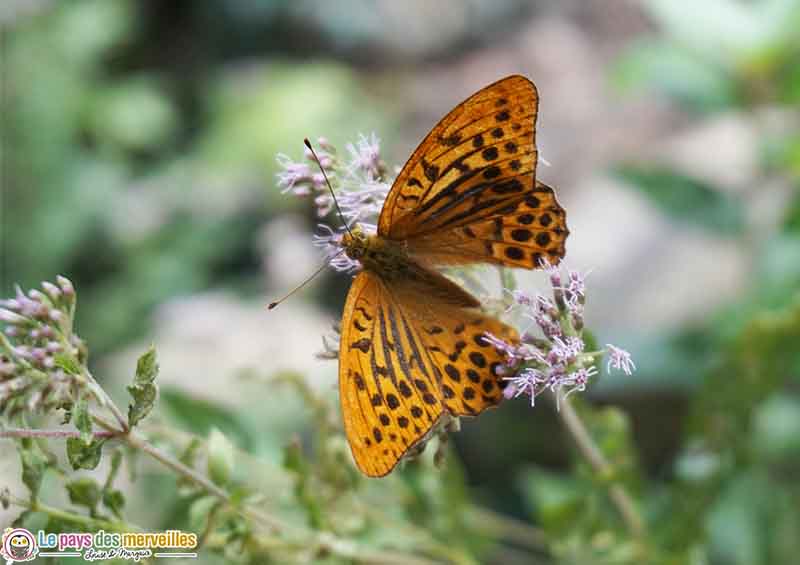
column 186, row 486
column 557, row 499
column 735, row 521
column 220, row 458
column 82, row 456
column 776, row 433
column 791, row 222
column 132, row 457
column 82, row 419
column 116, row 462
column 35, row 460
column 135, row 115
column 84, row 491
column 727, row 31
column 114, row 500
column 697, row 84
column 189, row 454
column 686, row 199
column 200, row 510
column 143, row 389
column 295, row 462
column 201, row 416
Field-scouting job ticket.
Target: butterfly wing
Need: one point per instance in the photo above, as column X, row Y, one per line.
column 452, row 335
column 468, row 193
column 409, row 351
column 386, row 387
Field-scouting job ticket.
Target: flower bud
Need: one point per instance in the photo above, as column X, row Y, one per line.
column 326, row 145
column 66, row 285
column 38, row 296
column 52, row 290
column 10, row 317
column 11, row 304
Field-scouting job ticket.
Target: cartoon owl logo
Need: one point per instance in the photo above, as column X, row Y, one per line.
column 18, row 545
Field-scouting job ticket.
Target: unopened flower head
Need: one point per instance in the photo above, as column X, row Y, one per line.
column 35, row 343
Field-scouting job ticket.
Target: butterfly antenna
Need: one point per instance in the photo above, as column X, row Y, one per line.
column 305, row 282
column 328, row 182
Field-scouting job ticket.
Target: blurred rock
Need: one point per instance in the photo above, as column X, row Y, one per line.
column 723, row 151
column 203, row 341
column 288, row 254
column 646, row 272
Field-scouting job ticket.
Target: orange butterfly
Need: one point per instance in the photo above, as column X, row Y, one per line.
column 412, row 347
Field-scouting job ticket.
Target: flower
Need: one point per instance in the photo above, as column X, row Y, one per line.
column 359, row 184
column 359, row 187
column 36, row 346
column 557, row 362
column 530, row 381
column 331, row 243
column 619, row 359
column 366, row 157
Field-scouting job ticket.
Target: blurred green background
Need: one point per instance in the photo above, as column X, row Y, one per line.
column 138, row 154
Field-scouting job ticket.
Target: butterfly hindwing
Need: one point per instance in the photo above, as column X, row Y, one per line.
column 389, row 395
column 409, row 351
column 465, row 364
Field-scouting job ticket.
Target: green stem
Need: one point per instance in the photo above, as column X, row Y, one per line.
column 87, row 523
column 106, row 401
column 502, row 527
column 137, row 442
column 507, row 279
column 58, row 434
column 586, row 445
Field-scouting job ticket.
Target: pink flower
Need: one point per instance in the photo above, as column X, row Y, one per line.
column 619, row 359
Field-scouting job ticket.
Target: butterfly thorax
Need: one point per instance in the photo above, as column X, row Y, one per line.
column 375, row 253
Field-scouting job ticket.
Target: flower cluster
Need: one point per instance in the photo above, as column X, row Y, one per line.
column 557, row 361
column 39, row 354
column 360, row 184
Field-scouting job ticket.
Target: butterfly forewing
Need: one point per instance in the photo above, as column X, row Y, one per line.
column 530, row 229
column 473, row 178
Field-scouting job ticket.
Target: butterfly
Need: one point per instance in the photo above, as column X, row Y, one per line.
column 412, row 348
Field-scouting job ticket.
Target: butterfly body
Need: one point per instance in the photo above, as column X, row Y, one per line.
column 377, row 254
column 413, row 348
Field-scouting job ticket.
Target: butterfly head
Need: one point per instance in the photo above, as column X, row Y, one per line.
column 355, row 243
